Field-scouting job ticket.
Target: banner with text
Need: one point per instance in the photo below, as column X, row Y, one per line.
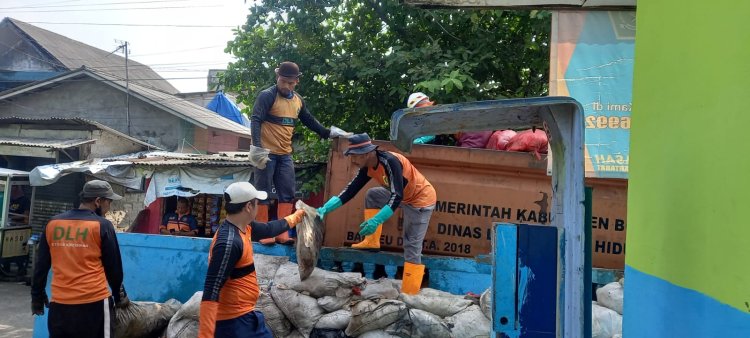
column 592, row 61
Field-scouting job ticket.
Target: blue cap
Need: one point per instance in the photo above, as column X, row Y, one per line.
column 359, row 144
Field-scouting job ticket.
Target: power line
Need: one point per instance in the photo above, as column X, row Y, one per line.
column 118, row 79
column 89, row 5
column 116, row 67
column 114, row 9
column 180, row 51
column 55, row 2
column 128, row 24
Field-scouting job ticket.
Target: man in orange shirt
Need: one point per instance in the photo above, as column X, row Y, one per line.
column 231, row 288
column 81, row 248
column 401, row 185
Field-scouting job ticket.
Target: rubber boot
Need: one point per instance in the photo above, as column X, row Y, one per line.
column 262, row 216
column 371, row 242
column 412, row 279
column 283, row 210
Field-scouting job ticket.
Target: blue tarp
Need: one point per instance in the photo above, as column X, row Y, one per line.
column 223, row 106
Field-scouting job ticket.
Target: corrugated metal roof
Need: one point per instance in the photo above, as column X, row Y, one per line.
column 72, row 54
column 256, row 157
column 44, row 142
column 77, row 121
column 180, row 107
column 5, row 172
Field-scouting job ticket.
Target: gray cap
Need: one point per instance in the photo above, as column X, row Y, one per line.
column 98, row 188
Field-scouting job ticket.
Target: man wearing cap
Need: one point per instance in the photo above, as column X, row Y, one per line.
column 231, row 288
column 275, row 113
column 81, row 248
column 401, row 185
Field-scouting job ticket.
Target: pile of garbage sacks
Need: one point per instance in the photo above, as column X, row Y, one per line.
column 606, row 317
column 327, row 304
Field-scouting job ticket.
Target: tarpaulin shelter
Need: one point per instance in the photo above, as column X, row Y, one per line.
column 223, row 106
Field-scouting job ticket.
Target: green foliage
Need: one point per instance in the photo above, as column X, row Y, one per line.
column 361, row 59
column 311, row 178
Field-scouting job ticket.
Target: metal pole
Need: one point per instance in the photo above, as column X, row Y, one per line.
column 127, row 89
column 587, row 288
column 5, row 203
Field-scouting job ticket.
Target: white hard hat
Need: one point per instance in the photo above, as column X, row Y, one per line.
column 416, row 98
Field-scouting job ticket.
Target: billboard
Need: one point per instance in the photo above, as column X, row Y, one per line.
column 592, row 61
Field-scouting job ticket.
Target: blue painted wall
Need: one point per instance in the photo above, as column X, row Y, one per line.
column 158, row 268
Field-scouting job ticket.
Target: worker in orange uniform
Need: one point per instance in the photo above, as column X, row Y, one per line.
column 231, row 288
column 401, row 185
column 276, row 112
column 81, row 248
column 180, row 222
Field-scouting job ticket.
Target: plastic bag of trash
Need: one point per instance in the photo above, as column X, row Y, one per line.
column 485, row 303
column 184, row 323
column 377, row 334
column 441, row 303
column 605, row 323
column 611, row 296
column 469, row 323
column 338, row 132
column 370, row 315
column 301, row 310
column 333, row 303
column 144, row 319
column 328, row 333
column 334, row 320
column 533, row 141
column 397, row 284
column 275, row 319
column 379, row 289
column 310, row 234
column 499, row 139
column 320, row 283
column 266, row 267
column 295, row 334
column 419, row 324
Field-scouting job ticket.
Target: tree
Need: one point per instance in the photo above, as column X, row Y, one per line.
column 361, row 59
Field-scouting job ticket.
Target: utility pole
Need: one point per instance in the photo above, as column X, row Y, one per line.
column 124, row 47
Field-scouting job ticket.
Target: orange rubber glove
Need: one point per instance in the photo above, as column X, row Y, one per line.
column 295, row 218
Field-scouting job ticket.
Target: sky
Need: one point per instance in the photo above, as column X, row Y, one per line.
column 182, row 55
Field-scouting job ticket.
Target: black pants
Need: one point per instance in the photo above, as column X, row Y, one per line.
column 90, row 320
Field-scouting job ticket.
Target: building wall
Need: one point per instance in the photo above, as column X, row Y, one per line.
column 200, row 98
column 123, row 212
column 688, row 236
column 215, row 141
column 108, row 144
column 90, row 99
column 26, row 57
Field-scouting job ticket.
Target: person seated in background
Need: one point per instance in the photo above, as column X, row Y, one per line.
column 472, row 139
column 180, row 222
column 19, row 206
